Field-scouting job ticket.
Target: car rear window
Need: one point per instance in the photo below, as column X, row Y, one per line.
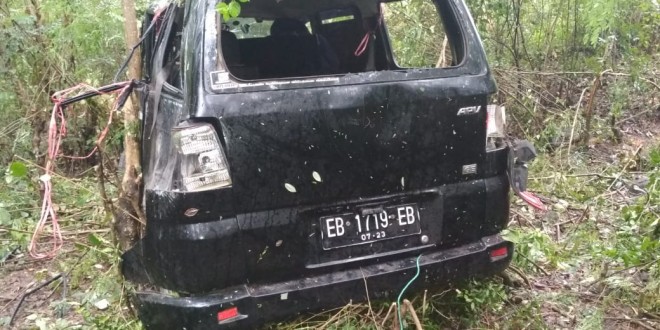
column 364, row 36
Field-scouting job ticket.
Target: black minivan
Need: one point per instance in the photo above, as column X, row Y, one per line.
column 307, row 153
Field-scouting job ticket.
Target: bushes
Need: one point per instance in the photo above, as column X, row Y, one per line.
column 50, row 45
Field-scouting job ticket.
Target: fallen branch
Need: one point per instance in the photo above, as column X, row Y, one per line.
column 588, row 113
column 522, row 216
column 585, row 213
column 562, row 313
column 389, row 312
column 521, row 274
column 366, row 291
column 107, row 202
column 620, row 74
column 577, row 111
column 29, row 292
column 632, row 158
column 639, row 114
column 53, row 174
column 64, row 276
column 534, row 264
column 407, row 307
column 598, row 175
column 631, row 320
column 639, row 267
column 336, row 316
column 523, row 105
column 636, row 321
column 651, row 316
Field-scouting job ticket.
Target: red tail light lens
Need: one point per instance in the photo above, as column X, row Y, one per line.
column 227, row 314
column 499, row 253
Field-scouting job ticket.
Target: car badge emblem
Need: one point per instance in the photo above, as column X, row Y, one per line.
column 469, row 110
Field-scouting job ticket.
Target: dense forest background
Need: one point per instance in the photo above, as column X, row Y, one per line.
column 579, row 78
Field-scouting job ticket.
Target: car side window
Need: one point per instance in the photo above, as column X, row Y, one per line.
column 415, row 45
column 172, row 56
column 147, row 45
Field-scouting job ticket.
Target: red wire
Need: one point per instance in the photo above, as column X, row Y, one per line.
column 362, row 46
column 532, row 200
column 56, row 132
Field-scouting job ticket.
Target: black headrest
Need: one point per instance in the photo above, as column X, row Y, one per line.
column 230, row 50
column 288, row 27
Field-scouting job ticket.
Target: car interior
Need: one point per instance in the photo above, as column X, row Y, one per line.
column 294, row 39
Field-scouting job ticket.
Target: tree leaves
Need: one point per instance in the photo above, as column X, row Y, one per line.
column 18, row 170
column 231, row 9
column 234, row 8
column 223, row 9
column 94, row 240
column 5, row 217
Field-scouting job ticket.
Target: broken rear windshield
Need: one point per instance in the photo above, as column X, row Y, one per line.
column 296, row 39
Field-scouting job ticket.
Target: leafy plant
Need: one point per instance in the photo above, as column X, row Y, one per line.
column 231, row 9
column 532, row 246
column 480, row 296
column 413, row 44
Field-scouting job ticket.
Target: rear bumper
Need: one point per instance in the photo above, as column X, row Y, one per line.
column 207, row 252
column 269, row 302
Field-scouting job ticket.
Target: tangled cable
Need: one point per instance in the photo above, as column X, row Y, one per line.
column 56, row 132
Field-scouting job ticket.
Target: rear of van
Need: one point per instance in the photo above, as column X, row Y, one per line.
column 310, row 152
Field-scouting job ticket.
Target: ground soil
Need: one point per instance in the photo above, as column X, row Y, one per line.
column 20, row 274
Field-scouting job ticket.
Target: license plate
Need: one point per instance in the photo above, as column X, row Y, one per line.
column 353, row 229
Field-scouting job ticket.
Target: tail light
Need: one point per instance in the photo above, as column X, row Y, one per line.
column 228, row 314
column 495, row 127
column 203, row 164
column 499, row 253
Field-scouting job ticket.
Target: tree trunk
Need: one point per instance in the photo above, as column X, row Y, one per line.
column 128, row 217
column 36, row 85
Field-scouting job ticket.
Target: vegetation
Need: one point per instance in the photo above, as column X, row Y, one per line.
column 230, row 9
column 579, row 78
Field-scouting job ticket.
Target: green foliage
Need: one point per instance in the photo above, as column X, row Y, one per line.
column 564, row 34
column 627, row 22
column 620, row 97
column 600, row 22
column 231, row 9
column 414, row 45
column 637, row 238
column 18, row 207
column 482, row 296
column 49, row 45
column 613, row 252
column 635, row 244
column 532, row 246
column 18, row 170
column 592, row 320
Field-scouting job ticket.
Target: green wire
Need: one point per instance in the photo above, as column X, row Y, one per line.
column 398, row 300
